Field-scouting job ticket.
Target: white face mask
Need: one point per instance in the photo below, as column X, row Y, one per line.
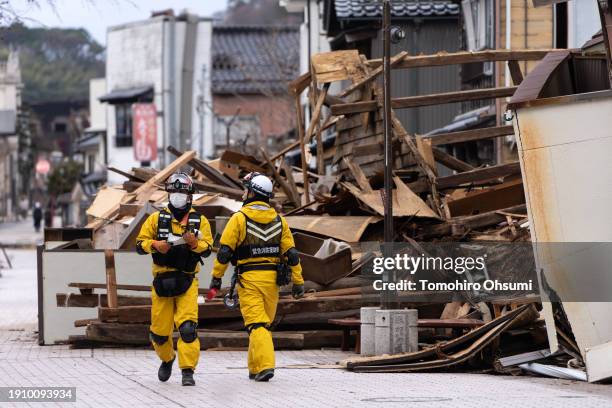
column 178, row 200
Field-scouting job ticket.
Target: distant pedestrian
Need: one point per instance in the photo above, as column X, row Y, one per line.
column 23, row 207
column 48, row 216
column 37, row 214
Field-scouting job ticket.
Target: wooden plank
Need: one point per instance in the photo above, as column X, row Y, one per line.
column 111, row 279
column 120, row 286
column 470, row 135
column 332, row 66
column 316, row 114
column 405, row 202
column 165, row 173
column 282, row 182
column 492, row 198
column 300, row 126
column 451, row 161
column 372, row 75
column 361, row 179
column 285, row 150
column 210, row 172
column 466, row 57
column 290, row 181
column 425, row 150
column 343, row 228
column 217, row 310
column 125, row 174
column 425, row 100
column 297, row 86
column 481, row 174
column 462, row 224
column 515, row 72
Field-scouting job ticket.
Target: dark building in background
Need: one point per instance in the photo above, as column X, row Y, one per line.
column 430, row 27
column 251, row 67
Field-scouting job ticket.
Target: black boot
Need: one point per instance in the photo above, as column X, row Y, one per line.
column 264, row 375
column 165, row 370
column 188, row 376
column 252, row 376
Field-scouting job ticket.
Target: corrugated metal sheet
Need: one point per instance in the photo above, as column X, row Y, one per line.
column 429, row 37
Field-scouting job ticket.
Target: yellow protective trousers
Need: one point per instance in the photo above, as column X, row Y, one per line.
column 168, row 313
column 258, row 300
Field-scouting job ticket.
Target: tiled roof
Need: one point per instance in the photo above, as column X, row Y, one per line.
column 254, row 59
column 364, row 9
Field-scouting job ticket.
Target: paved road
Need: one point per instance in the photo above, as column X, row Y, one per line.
column 127, row 377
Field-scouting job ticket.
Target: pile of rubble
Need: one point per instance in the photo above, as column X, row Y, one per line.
column 331, row 216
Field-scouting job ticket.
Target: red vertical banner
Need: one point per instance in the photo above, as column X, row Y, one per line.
column 144, row 131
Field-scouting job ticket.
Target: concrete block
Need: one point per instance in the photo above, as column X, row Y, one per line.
column 367, row 333
column 396, row 331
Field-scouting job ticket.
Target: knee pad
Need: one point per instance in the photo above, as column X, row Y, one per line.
column 157, row 339
column 188, row 331
column 254, row 326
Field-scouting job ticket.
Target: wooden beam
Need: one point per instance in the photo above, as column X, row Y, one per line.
column 285, row 150
column 470, row 135
column 466, row 57
column 297, row 86
column 425, row 149
column 450, row 97
column 300, row 126
column 372, row 75
column 467, row 223
column 210, row 172
column 137, row 288
column 316, row 114
column 426, row 100
column 515, row 72
column 290, row 181
column 283, row 183
column 450, row 161
column 111, row 278
column 360, row 177
column 482, row 174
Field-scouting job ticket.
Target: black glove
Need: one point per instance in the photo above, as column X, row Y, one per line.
column 297, row 291
column 215, row 283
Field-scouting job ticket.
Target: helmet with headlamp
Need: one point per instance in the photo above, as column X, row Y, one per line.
column 180, row 188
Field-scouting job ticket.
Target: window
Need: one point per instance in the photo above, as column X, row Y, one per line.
column 60, row 127
column 479, row 18
column 123, row 122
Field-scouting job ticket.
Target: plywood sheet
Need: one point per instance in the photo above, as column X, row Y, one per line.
column 106, row 199
column 344, row 228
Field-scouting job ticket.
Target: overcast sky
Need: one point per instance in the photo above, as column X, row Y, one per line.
column 96, row 15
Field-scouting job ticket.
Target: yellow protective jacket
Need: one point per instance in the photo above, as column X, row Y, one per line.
column 148, row 234
column 235, row 233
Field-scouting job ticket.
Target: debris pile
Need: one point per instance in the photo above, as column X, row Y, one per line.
column 437, row 198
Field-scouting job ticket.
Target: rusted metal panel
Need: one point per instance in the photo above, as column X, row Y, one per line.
column 567, row 173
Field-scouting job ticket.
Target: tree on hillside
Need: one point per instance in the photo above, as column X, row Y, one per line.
column 56, row 64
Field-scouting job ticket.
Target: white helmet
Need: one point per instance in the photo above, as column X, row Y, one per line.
column 259, row 184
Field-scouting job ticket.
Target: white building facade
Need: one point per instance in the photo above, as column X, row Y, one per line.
column 164, row 60
column 10, row 104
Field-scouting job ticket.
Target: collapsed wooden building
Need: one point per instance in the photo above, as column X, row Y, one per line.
column 438, row 197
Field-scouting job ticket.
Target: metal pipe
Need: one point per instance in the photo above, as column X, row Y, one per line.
column 388, row 156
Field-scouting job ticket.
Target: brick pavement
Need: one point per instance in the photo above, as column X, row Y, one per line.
column 127, row 377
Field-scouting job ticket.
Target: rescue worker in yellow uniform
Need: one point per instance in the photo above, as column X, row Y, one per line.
column 178, row 238
column 258, row 242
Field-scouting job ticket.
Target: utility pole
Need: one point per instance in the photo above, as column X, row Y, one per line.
column 388, row 156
